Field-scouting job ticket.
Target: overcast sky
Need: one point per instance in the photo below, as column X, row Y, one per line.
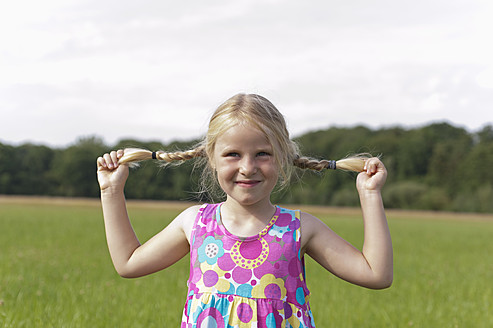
column 156, row 70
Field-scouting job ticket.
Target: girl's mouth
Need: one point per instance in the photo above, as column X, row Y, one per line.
column 247, row 183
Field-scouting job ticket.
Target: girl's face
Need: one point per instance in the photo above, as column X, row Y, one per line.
column 245, row 165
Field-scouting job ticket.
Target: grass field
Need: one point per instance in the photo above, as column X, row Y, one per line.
column 55, row 271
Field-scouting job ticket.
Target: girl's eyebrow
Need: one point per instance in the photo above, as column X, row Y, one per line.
column 268, row 149
column 228, row 149
column 257, row 147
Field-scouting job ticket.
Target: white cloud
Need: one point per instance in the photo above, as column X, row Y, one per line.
column 156, row 70
column 485, row 78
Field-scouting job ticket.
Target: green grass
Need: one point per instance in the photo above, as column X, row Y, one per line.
column 443, row 277
column 55, row 271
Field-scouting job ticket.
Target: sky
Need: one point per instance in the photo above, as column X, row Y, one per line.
column 156, row 69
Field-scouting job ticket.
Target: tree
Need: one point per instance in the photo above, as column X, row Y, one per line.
column 74, row 169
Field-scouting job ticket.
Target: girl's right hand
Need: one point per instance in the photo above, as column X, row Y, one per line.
column 111, row 174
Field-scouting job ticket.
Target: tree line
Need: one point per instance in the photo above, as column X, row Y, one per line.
column 434, row 167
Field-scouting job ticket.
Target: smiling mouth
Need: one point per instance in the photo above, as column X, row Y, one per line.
column 249, row 183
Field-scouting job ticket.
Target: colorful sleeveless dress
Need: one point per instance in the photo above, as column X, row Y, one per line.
column 256, row 281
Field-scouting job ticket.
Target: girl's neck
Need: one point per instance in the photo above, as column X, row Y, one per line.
column 259, row 209
column 250, row 219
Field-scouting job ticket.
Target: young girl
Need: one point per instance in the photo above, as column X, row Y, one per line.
column 246, row 254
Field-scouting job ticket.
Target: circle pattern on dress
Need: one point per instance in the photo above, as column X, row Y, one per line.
column 250, row 255
column 211, row 250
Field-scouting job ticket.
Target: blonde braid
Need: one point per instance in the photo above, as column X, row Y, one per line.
column 310, row 163
column 132, row 155
column 180, row 155
column 354, row 163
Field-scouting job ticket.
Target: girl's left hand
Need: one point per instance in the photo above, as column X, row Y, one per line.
column 373, row 177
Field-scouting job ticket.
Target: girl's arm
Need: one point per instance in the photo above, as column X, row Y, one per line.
column 373, row 266
column 130, row 258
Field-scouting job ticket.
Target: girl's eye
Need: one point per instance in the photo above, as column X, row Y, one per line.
column 263, row 153
column 232, row 154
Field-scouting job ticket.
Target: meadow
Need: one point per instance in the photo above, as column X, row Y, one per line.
column 55, row 270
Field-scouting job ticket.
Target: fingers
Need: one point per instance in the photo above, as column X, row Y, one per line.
column 110, row 160
column 373, row 177
column 373, row 165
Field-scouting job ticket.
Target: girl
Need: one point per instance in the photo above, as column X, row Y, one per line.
column 246, row 254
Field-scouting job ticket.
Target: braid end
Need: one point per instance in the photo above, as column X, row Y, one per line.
column 355, row 164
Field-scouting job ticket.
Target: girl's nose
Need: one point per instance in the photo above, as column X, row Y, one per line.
column 248, row 166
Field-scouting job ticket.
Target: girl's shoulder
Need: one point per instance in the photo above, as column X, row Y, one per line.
column 187, row 218
column 310, row 226
column 310, row 223
column 302, row 216
column 191, row 211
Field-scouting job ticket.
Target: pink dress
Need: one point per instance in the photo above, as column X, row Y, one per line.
column 257, row 281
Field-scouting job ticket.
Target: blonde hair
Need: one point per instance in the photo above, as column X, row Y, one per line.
column 261, row 113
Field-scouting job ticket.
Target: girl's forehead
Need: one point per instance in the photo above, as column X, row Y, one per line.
column 243, row 134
